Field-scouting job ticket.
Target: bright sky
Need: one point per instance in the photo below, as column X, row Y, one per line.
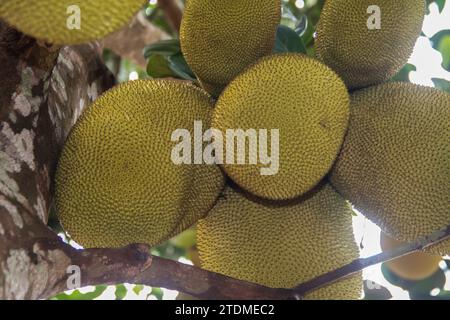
column 427, row 60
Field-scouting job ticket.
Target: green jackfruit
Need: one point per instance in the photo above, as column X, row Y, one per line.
column 395, row 163
column 116, row 183
column 284, row 92
column 281, row 245
column 68, row 21
column 219, row 39
column 360, row 51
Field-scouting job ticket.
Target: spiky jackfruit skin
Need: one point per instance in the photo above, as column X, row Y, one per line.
column 395, row 163
column 48, row 19
column 285, row 92
column 116, row 183
column 219, row 39
column 213, row 89
column 362, row 56
column 414, row 266
column 281, row 245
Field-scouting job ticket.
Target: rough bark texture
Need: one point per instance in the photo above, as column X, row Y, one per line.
column 130, row 41
column 42, row 92
column 172, row 12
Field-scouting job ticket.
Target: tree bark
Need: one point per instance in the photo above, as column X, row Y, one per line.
column 43, row 90
column 130, row 41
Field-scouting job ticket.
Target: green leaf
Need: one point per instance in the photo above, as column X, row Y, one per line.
column 166, row 60
column 77, row 295
column 441, row 84
column 416, row 288
column 374, row 291
column 288, row 40
column 164, row 48
column 302, row 25
column 138, row 288
column 440, row 4
column 158, row 67
column 157, row 292
column 121, row 292
column 441, row 42
column 443, row 295
column 186, row 239
column 403, row 74
column 179, row 66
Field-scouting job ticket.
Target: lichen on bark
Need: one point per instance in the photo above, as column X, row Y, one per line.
column 43, row 90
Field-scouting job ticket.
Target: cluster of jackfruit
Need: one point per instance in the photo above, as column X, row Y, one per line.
column 385, row 148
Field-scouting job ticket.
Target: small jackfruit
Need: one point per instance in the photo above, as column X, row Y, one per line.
column 219, row 39
column 283, row 92
column 68, row 21
column 395, row 163
column 414, row 266
column 281, row 245
column 116, row 183
column 368, row 41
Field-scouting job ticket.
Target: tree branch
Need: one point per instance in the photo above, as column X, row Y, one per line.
column 130, row 41
column 135, row 265
column 172, row 12
column 362, row 263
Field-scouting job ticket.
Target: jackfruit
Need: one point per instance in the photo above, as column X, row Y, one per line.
column 415, row 266
column 281, row 245
column 116, row 183
column 219, row 39
column 284, row 92
column 68, row 21
column 395, row 163
column 363, row 52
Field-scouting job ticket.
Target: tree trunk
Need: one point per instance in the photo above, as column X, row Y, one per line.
column 43, row 90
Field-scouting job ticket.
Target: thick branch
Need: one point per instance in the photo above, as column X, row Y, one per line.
column 204, row 284
column 135, row 265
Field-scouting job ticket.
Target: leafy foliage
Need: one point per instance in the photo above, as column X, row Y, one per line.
column 439, row 3
column 421, row 289
column 165, row 60
column 77, row 295
column 441, row 42
column 288, row 40
column 403, row 74
column 374, row 291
